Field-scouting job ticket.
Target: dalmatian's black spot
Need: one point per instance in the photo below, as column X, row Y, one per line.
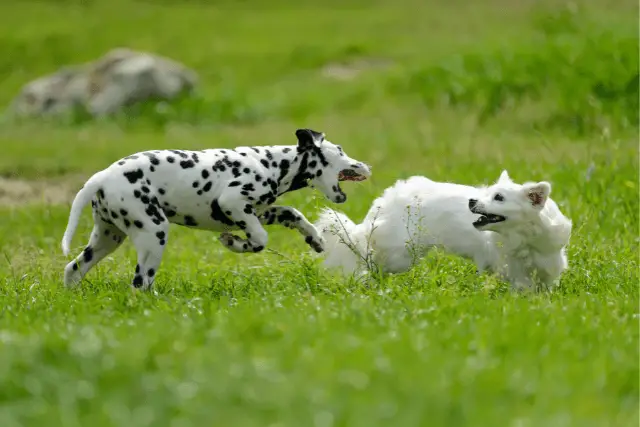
column 180, row 153
column 152, row 158
column 151, row 272
column 234, row 183
column 236, row 172
column 187, row 164
column 107, row 232
column 87, row 254
column 161, row 191
column 244, row 193
column 114, row 215
column 274, row 164
column 195, row 158
column 190, row 221
column 134, row 176
column 223, row 151
column 137, row 268
column 75, row 266
column 319, row 172
column 132, row 157
column 207, row 186
column 287, row 216
column 137, row 281
column 170, row 213
column 123, row 212
column 145, row 199
column 286, row 150
column 264, row 163
column 160, row 235
column 219, row 166
column 248, row 187
column 284, row 170
column 301, row 178
column 162, row 242
column 152, row 169
column 171, row 159
column 137, row 223
column 308, row 239
column 248, row 209
column 93, row 204
column 268, row 154
column 154, row 212
column 243, row 154
column 241, row 225
column 245, row 246
column 205, row 174
column 228, row 213
column 246, row 170
column 258, row 248
column 145, row 189
column 255, row 149
column 236, row 164
column 313, row 164
column 127, row 223
column 121, row 162
column 137, row 194
column 100, row 193
column 199, row 193
column 195, row 184
column 218, row 215
column 258, row 178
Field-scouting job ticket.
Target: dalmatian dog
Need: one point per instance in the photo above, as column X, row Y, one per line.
column 215, row 189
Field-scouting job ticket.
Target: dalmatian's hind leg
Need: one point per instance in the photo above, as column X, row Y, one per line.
column 292, row 218
column 149, row 239
column 243, row 217
column 105, row 238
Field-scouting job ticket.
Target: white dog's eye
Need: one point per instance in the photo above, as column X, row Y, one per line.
column 498, row 197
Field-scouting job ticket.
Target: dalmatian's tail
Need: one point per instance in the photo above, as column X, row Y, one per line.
column 345, row 241
column 83, row 197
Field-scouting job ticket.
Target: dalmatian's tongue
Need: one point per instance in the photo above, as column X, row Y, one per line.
column 349, row 175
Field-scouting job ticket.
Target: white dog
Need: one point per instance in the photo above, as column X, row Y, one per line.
column 513, row 230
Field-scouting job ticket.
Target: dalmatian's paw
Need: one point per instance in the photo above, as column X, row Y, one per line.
column 232, row 242
column 316, row 242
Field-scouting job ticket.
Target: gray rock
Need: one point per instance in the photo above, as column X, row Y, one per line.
column 121, row 77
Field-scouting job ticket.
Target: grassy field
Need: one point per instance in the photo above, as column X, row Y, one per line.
column 452, row 90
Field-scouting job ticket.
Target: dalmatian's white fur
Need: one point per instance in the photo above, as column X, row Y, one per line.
column 215, row 189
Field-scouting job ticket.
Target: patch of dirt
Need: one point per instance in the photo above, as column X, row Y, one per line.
column 19, row 192
column 352, row 69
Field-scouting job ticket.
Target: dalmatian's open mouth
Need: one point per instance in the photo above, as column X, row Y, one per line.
column 488, row 219
column 350, row 175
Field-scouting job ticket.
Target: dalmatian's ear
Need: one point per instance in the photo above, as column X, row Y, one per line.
column 308, row 138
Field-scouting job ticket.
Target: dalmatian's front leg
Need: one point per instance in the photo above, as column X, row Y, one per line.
column 292, row 218
column 243, row 217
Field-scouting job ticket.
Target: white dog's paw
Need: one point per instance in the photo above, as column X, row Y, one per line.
column 316, row 242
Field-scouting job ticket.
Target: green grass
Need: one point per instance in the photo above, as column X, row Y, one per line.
column 272, row 339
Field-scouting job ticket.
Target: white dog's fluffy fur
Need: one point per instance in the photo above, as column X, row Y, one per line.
column 513, row 230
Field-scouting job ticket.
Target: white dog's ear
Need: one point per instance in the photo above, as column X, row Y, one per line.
column 504, row 176
column 537, row 193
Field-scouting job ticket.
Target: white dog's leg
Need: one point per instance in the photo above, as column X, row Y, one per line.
column 292, row 218
column 105, row 238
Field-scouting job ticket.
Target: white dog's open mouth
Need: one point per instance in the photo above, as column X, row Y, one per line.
column 350, row 175
column 488, row 219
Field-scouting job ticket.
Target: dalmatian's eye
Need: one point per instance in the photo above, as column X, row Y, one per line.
column 498, row 197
